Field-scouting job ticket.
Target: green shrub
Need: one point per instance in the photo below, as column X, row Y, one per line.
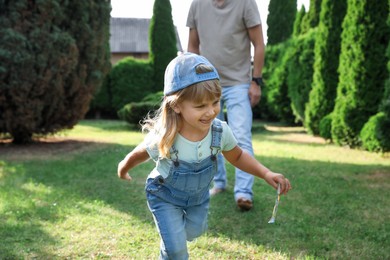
column 154, row 97
column 325, row 127
column 134, row 112
column 375, row 134
column 53, row 57
column 130, row 80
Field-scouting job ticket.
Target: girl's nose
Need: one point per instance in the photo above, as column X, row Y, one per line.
column 211, row 112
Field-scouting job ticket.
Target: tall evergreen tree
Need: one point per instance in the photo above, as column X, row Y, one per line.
column 53, row 55
column 280, row 20
column 375, row 133
column 300, row 73
column 326, row 62
column 362, row 68
column 298, row 21
column 312, row 17
column 162, row 40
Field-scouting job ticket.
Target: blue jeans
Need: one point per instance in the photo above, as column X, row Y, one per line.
column 177, row 225
column 239, row 117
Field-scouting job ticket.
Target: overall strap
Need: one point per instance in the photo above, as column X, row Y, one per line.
column 216, row 135
column 174, row 156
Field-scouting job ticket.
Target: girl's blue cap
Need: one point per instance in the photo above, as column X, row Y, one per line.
column 181, row 72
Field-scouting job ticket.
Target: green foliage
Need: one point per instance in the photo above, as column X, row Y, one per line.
column 101, row 102
column 326, row 62
column 162, row 41
column 278, row 102
column 375, row 134
column 300, row 72
column 385, row 105
column 135, row 112
column 325, row 127
column 362, row 68
column 280, row 20
column 298, row 21
column 53, row 56
column 156, row 97
column 312, row 17
column 129, row 81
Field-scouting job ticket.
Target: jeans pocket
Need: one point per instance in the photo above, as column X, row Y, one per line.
column 153, row 185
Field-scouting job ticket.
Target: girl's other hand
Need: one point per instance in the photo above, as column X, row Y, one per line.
column 274, row 178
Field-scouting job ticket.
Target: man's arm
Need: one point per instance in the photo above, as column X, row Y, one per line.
column 193, row 41
column 256, row 37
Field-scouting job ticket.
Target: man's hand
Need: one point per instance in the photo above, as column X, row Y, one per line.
column 254, row 93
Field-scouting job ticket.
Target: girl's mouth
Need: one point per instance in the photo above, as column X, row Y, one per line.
column 204, row 121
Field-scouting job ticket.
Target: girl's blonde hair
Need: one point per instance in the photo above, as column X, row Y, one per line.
column 166, row 123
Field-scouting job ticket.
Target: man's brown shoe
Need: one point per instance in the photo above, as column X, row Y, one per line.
column 244, row 204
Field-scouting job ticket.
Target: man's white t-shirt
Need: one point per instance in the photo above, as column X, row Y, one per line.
column 224, row 38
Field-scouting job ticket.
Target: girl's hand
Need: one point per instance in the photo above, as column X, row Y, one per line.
column 126, row 177
column 122, row 171
column 274, row 178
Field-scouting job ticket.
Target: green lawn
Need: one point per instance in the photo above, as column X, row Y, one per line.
column 64, row 201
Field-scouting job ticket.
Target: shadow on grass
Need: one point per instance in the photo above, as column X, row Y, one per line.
column 334, row 210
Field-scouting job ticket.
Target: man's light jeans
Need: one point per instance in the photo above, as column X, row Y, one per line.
column 239, row 117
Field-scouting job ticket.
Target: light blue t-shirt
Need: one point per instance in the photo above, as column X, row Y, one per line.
column 187, row 150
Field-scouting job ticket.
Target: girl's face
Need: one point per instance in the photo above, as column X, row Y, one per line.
column 197, row 117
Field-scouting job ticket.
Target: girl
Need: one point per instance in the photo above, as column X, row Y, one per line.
column 184, row 138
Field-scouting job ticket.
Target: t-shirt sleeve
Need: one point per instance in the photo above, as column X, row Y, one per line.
column 228, row 139
column 191, row 15
column 151, row 148
column 251, row 14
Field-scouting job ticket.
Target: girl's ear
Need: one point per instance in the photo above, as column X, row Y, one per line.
column 176, row 108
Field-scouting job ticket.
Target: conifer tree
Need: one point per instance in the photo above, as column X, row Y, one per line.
column 162, row 40
column 327, row 51
column 280, row 20
column 362, row 68
column 53, row 56
column 298, row 21
column 375, row 133
column 312, row 17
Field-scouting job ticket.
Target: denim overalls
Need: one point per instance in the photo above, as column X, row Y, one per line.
column 180, row 202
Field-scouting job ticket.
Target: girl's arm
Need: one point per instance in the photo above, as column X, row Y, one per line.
column 245, row 162
column 135, row 157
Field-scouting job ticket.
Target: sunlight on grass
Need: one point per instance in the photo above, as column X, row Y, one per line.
column 267, row 146
column 112, row 131
column 210, row 247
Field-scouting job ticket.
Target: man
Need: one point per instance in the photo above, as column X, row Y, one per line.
column 222, row 31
